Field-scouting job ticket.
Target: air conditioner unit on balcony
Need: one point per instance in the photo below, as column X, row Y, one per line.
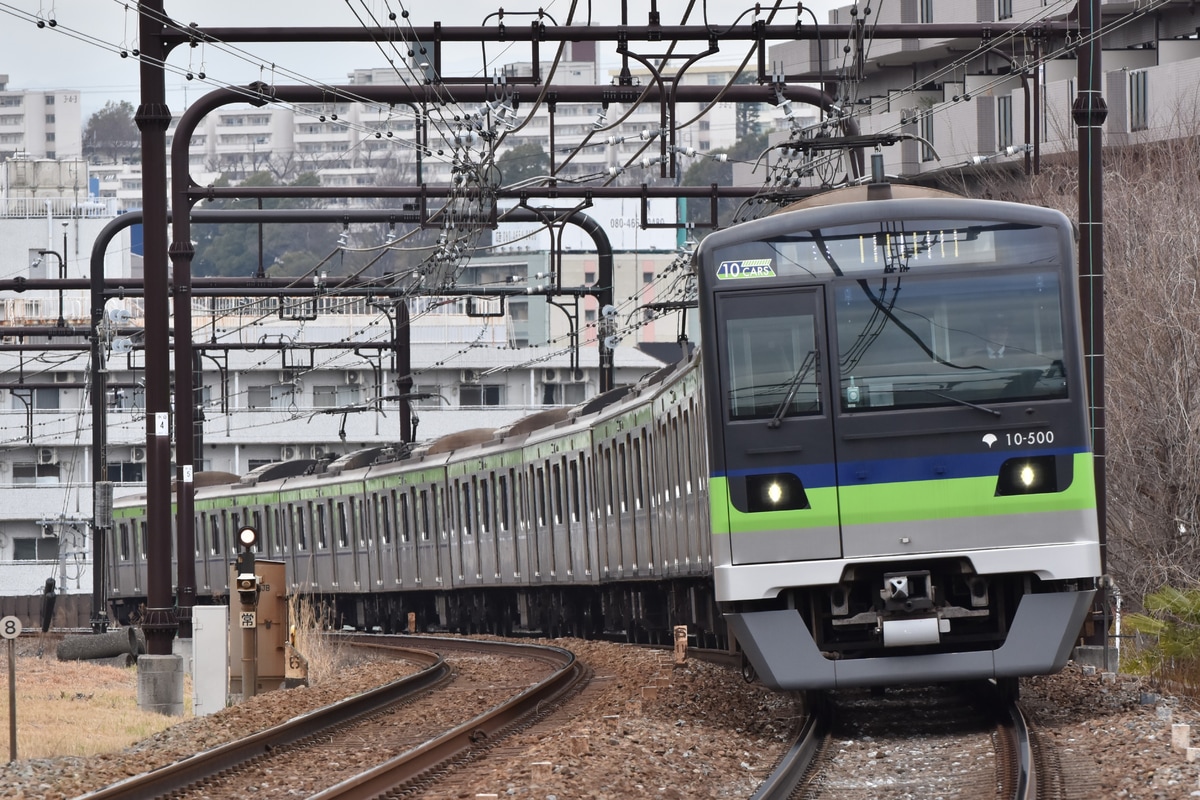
column 137, row 455
column 289, row 452
column 64, row 377
column 317, row 451
column 577, row 375
column 469, row 376
column 550, row 375
column 353, row 378
column 289, row 376
column 47, row 455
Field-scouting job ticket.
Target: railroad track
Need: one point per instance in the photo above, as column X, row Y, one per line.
column 914, row 742
column 356, row 726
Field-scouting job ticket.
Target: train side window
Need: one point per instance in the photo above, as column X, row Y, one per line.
column 502, row 484
column 423, row 514
column 468, row 521
column 198, row 535
column 301, row 527
column 539, row 495
column 343, row 536
column 320, row 526
column 622, row 478
column 403, row 521
column 141, row 540
column 485, row 506
column 214, row 534
column 275, row 522
column 574, row 490
column 385, row 503
column 558, row 494
column 123, row 542
column 638, row 499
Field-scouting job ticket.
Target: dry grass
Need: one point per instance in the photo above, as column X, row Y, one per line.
column 310, row 621
column 77, row 708
column 73, row 708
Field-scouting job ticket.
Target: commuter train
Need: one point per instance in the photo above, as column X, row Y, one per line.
column 590, row 521
column 902, row 483
column 878, row 472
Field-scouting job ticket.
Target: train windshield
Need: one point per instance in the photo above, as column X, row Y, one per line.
column 909, row 246
column 905, row 342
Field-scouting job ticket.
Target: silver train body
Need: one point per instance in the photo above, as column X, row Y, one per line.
column 590, row 521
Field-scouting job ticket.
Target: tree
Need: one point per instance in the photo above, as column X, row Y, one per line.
column 708, row 171
column 235, row 249
column 111, row 134
column 523, row 162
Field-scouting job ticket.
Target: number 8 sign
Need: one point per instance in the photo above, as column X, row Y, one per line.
column 10, row 627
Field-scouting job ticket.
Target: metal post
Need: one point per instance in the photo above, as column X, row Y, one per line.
column 1089, row 113
column 153, row 117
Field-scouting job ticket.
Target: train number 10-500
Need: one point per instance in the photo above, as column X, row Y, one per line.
column 1040, row 437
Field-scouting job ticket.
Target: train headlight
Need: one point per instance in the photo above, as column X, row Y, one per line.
column 779, row 491
column 1029, row 475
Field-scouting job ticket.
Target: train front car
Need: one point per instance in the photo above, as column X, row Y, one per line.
column 901, row 472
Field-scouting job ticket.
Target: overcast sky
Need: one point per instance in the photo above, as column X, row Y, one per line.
column 81, row 50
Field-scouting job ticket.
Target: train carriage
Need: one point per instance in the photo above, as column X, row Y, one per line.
column 890, row 501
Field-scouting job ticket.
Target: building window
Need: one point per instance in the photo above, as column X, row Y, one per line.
column 126, row 472
column 648, row 277
column 37, row 474
column 1004, row 121
column 560, row 394
column 46, row 399
column 44, row 548
column 480, row 395
column 334, row 396
column 1139, row 100
column 1003, row 9
column 589, row 277
column 49, row 119
column 927, row 10
column 434, row 400
column 49, row 99
column 927, row 153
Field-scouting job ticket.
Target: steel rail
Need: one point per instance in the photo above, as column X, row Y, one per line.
column 788, row 775
column 472, row 736
column 180, row 775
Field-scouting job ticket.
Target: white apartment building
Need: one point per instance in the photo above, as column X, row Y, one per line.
column 40, row 124
column 968, row 107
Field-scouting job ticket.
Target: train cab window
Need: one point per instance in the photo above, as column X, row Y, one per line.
column 967, row 339
column 770, row 359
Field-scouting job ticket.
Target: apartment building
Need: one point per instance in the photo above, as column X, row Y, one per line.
column 40, row 124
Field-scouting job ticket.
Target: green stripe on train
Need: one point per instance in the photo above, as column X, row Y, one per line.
column 908, row 501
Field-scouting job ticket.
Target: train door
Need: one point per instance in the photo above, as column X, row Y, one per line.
column 778, row 489
column 508, row 556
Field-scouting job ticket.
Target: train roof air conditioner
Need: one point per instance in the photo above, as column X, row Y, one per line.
column 47, row 455
column 137, row 455
column 289, row 452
